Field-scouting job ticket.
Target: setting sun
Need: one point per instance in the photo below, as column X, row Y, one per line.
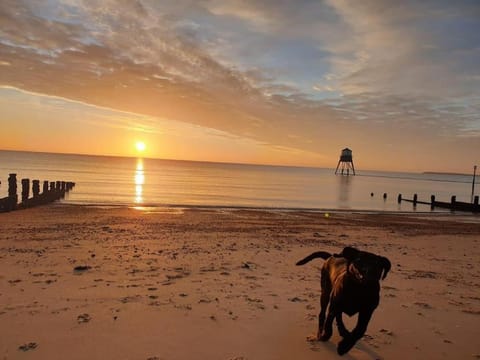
column 140, row 146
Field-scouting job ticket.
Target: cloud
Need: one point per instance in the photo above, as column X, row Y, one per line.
column 309, row 75
column 408, row 47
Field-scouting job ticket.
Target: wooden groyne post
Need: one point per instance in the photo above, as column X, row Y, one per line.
column 12, row 199
column 25, row 190
column 452, row 205
column 52, row 191
column 36, row 188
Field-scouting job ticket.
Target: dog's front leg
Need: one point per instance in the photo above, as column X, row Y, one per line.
column 342, row 330
column 349, row 341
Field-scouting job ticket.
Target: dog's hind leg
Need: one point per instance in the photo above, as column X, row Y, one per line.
column 328, row 325
column 324, row 300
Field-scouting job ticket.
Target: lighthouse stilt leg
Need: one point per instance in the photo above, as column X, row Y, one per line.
column 337, row 167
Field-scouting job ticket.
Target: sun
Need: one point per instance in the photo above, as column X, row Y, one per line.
column 140, row 146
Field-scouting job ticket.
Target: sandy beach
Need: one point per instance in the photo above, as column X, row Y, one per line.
column 80, row 282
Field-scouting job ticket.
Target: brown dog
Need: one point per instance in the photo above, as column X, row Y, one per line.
column 350, row 285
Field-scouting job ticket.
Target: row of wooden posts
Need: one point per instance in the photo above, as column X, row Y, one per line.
column 52, row 191
column 452, row 205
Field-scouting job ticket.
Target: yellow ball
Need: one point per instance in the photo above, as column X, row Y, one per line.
column 327, row 215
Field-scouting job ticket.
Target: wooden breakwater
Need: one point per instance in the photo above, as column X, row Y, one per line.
column 51, row 191
column 452, row 205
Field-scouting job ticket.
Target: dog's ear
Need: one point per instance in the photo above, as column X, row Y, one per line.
column 386, row 266
column 349, row 253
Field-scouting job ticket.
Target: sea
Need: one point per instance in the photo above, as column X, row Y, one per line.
column 144, row 182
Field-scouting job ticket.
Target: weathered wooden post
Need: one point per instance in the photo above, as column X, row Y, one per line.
column 51, row 193
column 12, row 191
column 25, row 190
column 415, row 199
column 473, row 181
column 53, row 190
column 36, row 188
column 58, row 186
column 432, row 202
column 62, row 189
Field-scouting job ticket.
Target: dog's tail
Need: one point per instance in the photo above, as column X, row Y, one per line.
column 319, row 254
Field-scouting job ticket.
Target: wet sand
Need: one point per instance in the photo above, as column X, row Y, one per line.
column 82, row 282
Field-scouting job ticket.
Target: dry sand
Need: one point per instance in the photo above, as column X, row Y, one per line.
column 221, row 284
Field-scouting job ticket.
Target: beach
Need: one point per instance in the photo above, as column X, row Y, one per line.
column 80, row 282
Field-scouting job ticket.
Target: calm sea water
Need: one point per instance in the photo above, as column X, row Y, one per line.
column 152, row 182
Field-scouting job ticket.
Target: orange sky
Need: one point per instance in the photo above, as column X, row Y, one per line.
column 249, row 82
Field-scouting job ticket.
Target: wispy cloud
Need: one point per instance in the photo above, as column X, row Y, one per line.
column 307, row 75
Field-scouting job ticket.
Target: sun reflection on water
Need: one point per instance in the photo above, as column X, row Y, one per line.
column 139, row 182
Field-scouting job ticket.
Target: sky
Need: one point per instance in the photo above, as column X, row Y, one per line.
column 261, row 81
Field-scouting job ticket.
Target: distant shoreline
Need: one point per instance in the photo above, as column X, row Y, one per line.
column 445, row 173
column 151, row 206
column 172, row 208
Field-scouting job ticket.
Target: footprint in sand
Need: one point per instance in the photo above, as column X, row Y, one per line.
column 423, row 305
column 77, row 270
column 297, row 299
column 420, row 274
column 83, row 318
column 472, row 312
column 28, row 347
column 128, row 299
column 386, row 332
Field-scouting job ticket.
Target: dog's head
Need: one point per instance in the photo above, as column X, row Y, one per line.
column 364, row 266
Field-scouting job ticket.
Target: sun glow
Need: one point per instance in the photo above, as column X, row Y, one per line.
column 140, row 146
column 139, row 181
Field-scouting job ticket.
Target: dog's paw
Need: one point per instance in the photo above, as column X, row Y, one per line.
column 326, row 336
column 345, row 345
column 344, row 333
column 313, row 338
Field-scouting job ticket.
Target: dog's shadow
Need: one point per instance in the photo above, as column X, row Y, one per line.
column 366, row 350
